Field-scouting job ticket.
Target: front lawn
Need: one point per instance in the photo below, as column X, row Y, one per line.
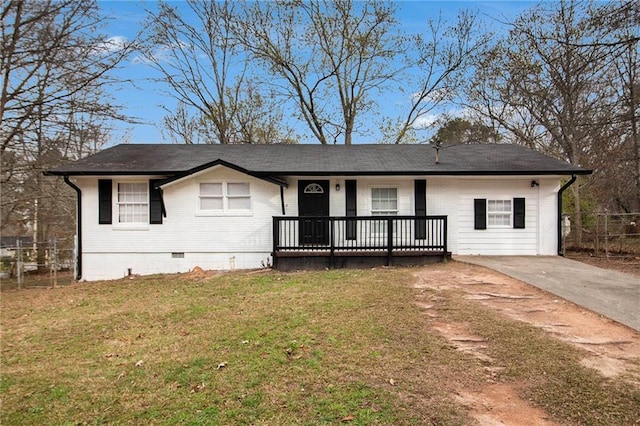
column 234, row 349
column 270, row 348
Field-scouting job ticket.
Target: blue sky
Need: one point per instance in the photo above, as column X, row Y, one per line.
column 144, row 100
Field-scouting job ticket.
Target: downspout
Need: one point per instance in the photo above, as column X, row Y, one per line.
column 79, row 226
column 560, row 236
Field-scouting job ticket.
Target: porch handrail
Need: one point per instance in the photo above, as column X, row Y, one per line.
column 384, row 234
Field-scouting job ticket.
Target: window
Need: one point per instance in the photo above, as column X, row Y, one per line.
column 224, row 196
column 133, row 202
column 211, row 196
column 238, row 196
column 130, row 202
column 384, row 201
column 313, row 188
column 499, row 213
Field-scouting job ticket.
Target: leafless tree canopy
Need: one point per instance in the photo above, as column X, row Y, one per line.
column 439, row 63
column 204, row 67
column 237, row 64
column 54, row 105
column 564, row 81
column 326, row 56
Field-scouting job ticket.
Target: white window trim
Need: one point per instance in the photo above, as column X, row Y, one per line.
column 505, row 226
column 380, row 229
column 373, row 212
column 142, row 226
column 225, row 211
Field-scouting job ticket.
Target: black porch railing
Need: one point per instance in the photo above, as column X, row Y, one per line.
column 364, row 235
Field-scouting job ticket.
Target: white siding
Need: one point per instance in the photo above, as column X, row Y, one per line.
column 211, row 242
column 244, row 241
column 442, row 201
column 548, row 216
column 454, row 198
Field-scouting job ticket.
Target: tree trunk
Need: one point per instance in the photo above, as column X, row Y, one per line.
column 577, row 220
column 636, row 139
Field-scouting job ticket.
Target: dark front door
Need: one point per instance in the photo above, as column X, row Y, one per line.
column 313, row 202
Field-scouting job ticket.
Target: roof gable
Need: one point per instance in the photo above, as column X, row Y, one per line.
column 217, row 163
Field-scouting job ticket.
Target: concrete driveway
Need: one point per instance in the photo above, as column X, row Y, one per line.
column 613, row 294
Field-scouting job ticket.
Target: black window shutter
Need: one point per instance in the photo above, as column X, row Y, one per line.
column 518, row 213
column 104, row 201
column 480, row 213
column 351, row 209
column 156, row 208
column 420, row 190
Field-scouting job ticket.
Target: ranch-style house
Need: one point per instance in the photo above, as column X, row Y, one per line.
column 161, row 208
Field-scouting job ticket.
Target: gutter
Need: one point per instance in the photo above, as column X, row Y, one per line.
column 79, row 226
column 269, row 175
column 560, row 192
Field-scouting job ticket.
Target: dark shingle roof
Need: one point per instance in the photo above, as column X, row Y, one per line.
column 164, row 159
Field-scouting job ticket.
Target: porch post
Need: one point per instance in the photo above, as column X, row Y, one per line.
column 389, row 240
column 332, row 224
column 444, row 237
column 276, row 241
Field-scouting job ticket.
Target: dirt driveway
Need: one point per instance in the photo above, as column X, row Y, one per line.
column 613, row 294
column 611, row 348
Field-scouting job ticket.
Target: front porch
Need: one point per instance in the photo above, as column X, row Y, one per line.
column 312, row 242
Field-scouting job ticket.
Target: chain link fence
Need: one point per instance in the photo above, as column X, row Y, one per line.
column 25, row 264
column 602, row 234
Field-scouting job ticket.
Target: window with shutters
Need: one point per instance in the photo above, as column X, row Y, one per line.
column 499, row 213
column 224, row 198
column 132, row 203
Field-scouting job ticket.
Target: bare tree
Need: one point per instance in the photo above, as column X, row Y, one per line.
column 626, row 34
column 41, row 34
column 328, row 57
column 547, row 87
column 439, row 61
column 458, row 131
column 183, row 127
column 205, row 70
column 53, row 106
column 258, row 122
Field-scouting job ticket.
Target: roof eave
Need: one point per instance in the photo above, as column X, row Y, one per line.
column 436, row 173
column 270, row 176
column 110, row 173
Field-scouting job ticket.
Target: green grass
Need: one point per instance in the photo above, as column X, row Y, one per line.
column 308, row 348
column 271, row 348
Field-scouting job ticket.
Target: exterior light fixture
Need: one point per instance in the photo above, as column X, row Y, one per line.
column 337, row 187
column 534, row 183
